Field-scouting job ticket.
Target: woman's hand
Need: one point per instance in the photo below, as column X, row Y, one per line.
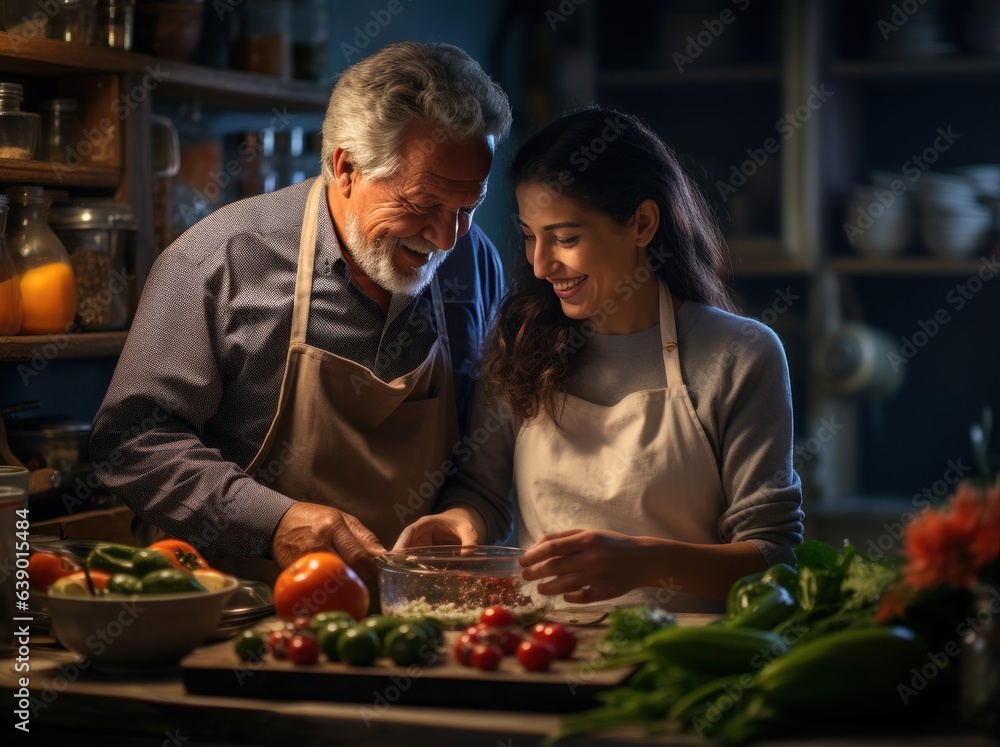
column 588, row 565
column 458, row 525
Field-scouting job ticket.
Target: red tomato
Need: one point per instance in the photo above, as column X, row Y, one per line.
column 497, row 617
column 559, row 638
column 486, row 656
column 45, row 568
column 317, row 582
column 302, row 648
column 182, row 554
column 477, row 630
column 463, row 649
column 535, row 656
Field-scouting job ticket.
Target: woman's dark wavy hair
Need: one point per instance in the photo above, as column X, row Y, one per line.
column 528, row 355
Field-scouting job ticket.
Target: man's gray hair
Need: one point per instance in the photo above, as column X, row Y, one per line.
column 377, row 98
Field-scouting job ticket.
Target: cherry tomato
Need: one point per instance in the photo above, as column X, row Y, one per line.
column 486, row 656
column 558, row 637
column 317, row 582
column 497, row 617
column 302, row 648
column 277, row 642
column 477, row 630
column 535, row 656
column 463, row 649
column 508, row 640
column 45, row 568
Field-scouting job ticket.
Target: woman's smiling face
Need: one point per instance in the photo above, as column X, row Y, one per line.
column 590, row 259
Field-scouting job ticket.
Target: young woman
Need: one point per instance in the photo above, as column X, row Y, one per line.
column 644, row 426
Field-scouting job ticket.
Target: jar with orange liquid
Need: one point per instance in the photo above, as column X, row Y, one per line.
column 48, row 288
column 10, row 288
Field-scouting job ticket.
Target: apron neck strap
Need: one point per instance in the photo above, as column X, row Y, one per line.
column 307, row 255
column 668, row 337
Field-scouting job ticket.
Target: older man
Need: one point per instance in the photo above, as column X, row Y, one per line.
column 293, row 376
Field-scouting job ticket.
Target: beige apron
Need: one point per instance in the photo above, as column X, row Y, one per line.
column 342, row 437
column 641, row 467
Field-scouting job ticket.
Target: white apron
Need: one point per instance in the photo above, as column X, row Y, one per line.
column 641, row 467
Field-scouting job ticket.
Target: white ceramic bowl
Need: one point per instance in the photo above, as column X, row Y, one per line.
column 139, row 631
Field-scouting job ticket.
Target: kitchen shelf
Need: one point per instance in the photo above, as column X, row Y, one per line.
column 50, row 347
column 916, row 266
column 169, row 79
column 720, row 75
column 894, row 70
column 58, row 174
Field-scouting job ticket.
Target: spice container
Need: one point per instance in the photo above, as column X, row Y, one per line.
column 99, row 236
column 263, row 44
column 115, row 23
column 60, row 129
column 10, row 289
column 48, row 289
column 18, row 130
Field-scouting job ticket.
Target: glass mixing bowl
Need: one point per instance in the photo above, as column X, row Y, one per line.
column 454, row 584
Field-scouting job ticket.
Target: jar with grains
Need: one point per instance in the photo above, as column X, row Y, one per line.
column 99, row 236
column 18, row 130
column 48, row 287
column 263, row 44
column 10, row 289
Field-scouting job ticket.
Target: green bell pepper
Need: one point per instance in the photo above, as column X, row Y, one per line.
column 124, row 583
column 135, row 561
column 170, row 581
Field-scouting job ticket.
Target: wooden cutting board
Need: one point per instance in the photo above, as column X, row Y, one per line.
column 570, row 685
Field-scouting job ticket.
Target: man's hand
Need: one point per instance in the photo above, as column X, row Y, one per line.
column 458, row 525
column 309, row 527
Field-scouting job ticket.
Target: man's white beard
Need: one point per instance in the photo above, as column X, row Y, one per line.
column 375, row 259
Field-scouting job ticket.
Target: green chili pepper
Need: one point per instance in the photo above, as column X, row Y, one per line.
column 766, row 611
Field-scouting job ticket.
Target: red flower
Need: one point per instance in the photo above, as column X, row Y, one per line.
column 952, row 545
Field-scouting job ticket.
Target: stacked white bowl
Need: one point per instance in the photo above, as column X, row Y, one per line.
column 955, row 224
column 881, row 221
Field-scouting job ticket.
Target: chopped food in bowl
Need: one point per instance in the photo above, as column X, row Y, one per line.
column 454, row 584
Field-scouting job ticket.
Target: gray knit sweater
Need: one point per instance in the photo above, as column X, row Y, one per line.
column 737, row 377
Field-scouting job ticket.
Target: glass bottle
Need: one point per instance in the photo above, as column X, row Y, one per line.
column 48, row 287
column 18, row 130
column 115, row 23
column 979, row 665
column 10, row 289
column 309, row 40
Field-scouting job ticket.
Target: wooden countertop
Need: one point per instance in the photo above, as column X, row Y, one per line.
column 66, row 701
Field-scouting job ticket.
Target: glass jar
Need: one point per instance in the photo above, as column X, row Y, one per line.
column 263, row 44
column 60, row 129
column 18, row 130
column 115, row 23
column 99, row 236
column 309, row 40
column 979, row 665
column 24, row 18
column 48, row 288
column 10, row 289
column 73, row 21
